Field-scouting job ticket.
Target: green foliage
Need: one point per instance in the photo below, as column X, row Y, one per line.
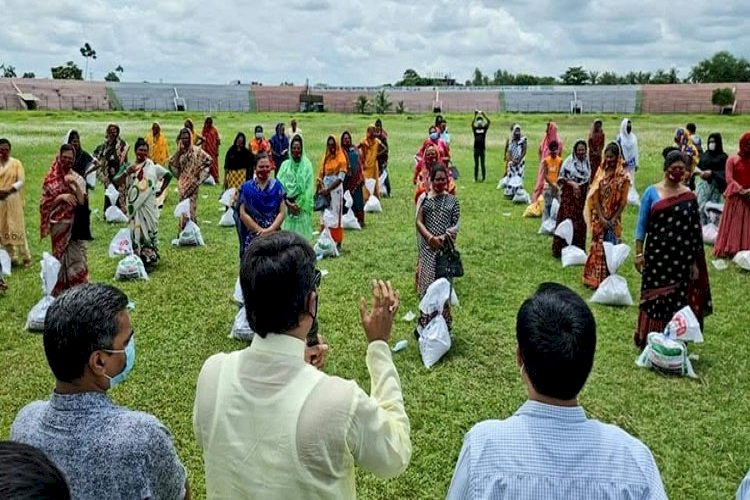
column 8, row 71
column 382, row 103
column 721, row 67
column 362, row 105
column 574, row 75
column 111, row 77
column 29, row 74
column 400, row 108
column 184, row 313
column 70, row 71
column 722, row 97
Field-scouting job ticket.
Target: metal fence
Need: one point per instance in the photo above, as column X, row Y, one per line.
column 74, row 103
column 197, row 104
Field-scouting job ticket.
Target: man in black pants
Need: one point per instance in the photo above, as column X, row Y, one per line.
column 479, row 126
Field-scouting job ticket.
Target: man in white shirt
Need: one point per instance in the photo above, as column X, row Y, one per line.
column 271, row 425
column 549, row 448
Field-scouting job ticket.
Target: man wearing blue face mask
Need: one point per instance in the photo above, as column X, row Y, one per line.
column 104, row 450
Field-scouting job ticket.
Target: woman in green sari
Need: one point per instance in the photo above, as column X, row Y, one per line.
column 144, row 182
column 296, row 175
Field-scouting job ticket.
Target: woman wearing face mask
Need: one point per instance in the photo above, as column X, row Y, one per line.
column 144, row 183
column 669, row 251
column 734, row 229
column 515, row 162
column 573, row 182
column 296, row 175
column 110, row 156
column 260, row 204
column 355, row 177
column 433, row 139
column 605, row 203
column 423, row 173
column 333, row 168
column 62, row 191
column 550, row 136
column 259, row 144
column 192, row 166
column 713, row 182
column 12, row 222
column 438, row 216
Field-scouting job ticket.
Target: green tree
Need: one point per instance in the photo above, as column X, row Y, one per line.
column 29, row 74
column 672, row 76
column 722, row 97
column 410, row 79
column 70, row 71
column 721, row 67
column 400, row 109
column 575, row 75
column 8, row 71
column 88, row 53
column 382, row 103
column 111, row 77
column 362, row 105
column 593, row 77
column 478, row 79
column 643, row 77
column 609, row 78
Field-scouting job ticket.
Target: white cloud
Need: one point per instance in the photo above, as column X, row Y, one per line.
column 364, row 42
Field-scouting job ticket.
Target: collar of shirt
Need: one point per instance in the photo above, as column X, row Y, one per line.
column 274, row 343
column 566, row 414
column 80, row 401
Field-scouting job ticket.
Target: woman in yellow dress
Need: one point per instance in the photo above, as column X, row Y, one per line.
column 370, row 147
column 157, row 145
column 12, row 225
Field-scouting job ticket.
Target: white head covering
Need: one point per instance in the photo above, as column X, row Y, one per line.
column 628, row 144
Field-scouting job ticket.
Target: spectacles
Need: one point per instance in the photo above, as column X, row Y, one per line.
column 124, row 348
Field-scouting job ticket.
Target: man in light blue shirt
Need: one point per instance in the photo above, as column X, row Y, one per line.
column 549, row 448
column 743, row 493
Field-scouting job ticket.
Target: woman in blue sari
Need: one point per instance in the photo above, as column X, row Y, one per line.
column 260, row 204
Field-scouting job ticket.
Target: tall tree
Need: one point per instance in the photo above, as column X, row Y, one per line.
column 88, row 53
column 111, row 77
column 382, row 103
column 8, row 71
column 29, row 74
column 575, row 75
column 721, row 67
column 478, row 79
column 608, row 78
column 593, row 77
column 70, row 71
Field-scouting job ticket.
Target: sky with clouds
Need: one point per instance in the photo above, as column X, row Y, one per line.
column 359, row 42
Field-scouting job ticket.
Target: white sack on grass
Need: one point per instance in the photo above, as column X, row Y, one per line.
column 710, row 232
column 131, row 268
column 684, row 326
column 666, row 355
column 240, row 328
column 348, row 200
column 550, row 223
column 190, row 236
column 227, row 197
column 227, row 219
column 121, row 244
column 114, row 215
column 742, row 259
column 434, row 341
column 633, row 197
column 49, row 273
column 209, row 181
column 381, row 181
column 237, row 295
column 91, row 180
column 571, row 254
column 502, row 182
column 182, row 208
column 325, row 246
column 112, row 193
column 5, row 263
column 330, row 219
column 373, row 203
column 613, row 291
column 349, row 221
column 521, row 196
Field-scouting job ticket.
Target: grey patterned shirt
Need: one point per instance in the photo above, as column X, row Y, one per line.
column 104, row 450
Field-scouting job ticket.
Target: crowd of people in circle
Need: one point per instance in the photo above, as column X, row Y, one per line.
column 270, row 422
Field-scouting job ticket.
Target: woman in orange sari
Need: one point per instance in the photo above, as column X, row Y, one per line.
column 333, row 168
column 62, row 191
column 211, row 142
column 605, row 202
column 370, row 148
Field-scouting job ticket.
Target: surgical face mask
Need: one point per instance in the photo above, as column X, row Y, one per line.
column 434, row 136
column 259, row 135
column 129, row 353
column 711, row 146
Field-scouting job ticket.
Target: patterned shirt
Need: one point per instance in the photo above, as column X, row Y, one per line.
column 551, row 452
column 104, row 450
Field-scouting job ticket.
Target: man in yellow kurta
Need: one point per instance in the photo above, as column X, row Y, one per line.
column 12, row 225
column 370, row 147
column 157, row 145
column 271, row 424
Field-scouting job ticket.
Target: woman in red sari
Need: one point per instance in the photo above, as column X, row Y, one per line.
column 605, row 202
column 211, row 142
column 549, row 137
column 62, row 191
column 734, row 228
column 596, row 142
column 669, row 251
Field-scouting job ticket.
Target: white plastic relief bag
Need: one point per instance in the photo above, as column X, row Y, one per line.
column 114, row 215
column 121, row 244
column 348, row 200
column 5, row 263
column 112, row 193
column 209, row 181
column 91, row 180
column 131, row 268
column 666, row 355
column 436, row 296
column 373, row 203
column 237, row 295
column 633, row 198
column 241, row 328
column 349, row 220
column 521, row 196
column 381, row 181
column 742, row 259
column 325, row 246
column 710, row 232
column 434, row 341
column 571, row 255
column 613, row 291
column 49, row 273
column 227, row 218
column 190, row 236
column 182, row 208
column 227, row 197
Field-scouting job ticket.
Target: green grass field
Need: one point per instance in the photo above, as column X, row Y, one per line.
column 697, row 429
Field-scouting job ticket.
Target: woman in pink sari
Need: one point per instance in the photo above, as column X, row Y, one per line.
column 549, row 137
